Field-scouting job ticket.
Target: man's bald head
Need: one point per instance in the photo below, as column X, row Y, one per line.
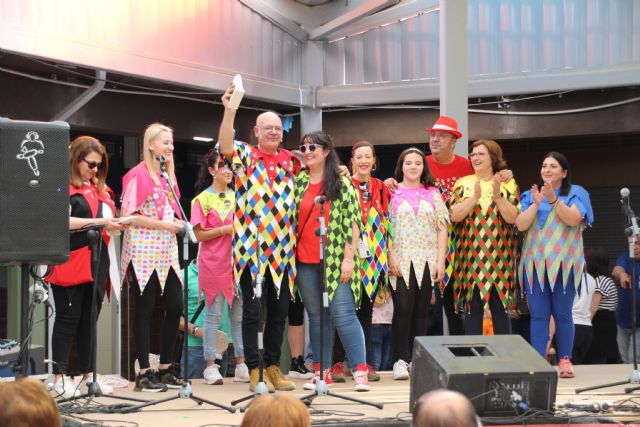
column 268, row 131
column 444, row 408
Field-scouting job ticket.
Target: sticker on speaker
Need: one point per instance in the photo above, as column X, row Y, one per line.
column 30, row 147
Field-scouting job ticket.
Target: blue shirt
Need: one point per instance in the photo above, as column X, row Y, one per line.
column 623, row 312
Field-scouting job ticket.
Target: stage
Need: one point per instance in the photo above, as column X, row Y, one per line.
column 393, row 394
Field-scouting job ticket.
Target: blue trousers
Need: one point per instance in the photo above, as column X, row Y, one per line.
column 542, row 304
column 342, row 313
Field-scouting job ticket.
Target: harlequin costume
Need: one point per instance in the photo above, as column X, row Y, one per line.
column 340, row 216
column 72, row 282
column 484, row 248
column 265, row 207
column 551, row 267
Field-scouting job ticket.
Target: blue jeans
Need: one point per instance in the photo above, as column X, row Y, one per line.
column 542, row 304
column 212, row 318
column 342, row 313
column 625, row 344
column 197, row 363
column 381, row 357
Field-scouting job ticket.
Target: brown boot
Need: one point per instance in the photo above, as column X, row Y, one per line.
column 254, row 376
column 274, row 375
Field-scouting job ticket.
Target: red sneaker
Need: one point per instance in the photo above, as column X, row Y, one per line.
column 337, row 372
column 360, row 378
column 311, row 384
column 565, row 367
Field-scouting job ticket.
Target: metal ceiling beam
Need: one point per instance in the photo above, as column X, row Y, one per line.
column 413, row 91
column 270, row 13
column 403, row 10
column 368, row 8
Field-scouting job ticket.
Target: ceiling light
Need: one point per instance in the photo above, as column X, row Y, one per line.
column 202, row 138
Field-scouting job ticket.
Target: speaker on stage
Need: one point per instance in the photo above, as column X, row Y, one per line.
column 34, row 192
column 497, row 372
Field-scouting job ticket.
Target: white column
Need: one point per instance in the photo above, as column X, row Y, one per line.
column 312, row 76
column 454, row 67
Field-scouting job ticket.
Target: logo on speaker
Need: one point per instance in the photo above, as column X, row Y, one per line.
column 30, row 147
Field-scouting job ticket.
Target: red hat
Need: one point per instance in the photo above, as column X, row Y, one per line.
column 446, row 124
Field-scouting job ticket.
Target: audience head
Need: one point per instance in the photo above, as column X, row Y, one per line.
column 26, row 403
column 495, row 154
column 88, row 162
column 555, row 167
column 409, row 156
column 279, row 410
column 444, row 408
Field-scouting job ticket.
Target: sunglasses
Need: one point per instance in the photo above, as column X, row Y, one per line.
column 93, row 165
column 310, row 147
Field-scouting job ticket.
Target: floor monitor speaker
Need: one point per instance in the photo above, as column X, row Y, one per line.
column 499, row 373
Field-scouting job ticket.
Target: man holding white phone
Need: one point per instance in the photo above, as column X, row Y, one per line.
column 264, row 182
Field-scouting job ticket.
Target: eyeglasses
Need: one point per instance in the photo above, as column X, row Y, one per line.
column 310, row 147
column 93, row 165
column 276, row 129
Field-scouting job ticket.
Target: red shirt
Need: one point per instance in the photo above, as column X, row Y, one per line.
column 446, row 175
column 308, row 246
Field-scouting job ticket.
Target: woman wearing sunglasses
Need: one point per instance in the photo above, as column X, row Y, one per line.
column 372, row 248
column 150, row 254
column 417, row 252
column 90, row 204
column 323, row 186
column 212, row 219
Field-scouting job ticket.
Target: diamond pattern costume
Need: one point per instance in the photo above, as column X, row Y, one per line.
column 550, row 245
column 343, row 212
column 273, row 199
column 484, row 244
column 375, row 215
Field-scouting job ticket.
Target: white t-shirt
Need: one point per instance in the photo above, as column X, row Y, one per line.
column 582, row 302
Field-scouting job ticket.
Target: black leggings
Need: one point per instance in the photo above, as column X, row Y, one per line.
column 73, row 320
column 454, row 320
column 499, row 317
column 410, row 313
column 145, row 303
column 364, row 313
column 296, row 311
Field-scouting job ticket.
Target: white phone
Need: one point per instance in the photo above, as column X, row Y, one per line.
column 238, row 92
column 126, row 219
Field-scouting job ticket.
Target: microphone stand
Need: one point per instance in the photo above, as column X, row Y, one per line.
column 185, row 389
column 321, row 386
column 261, row 387
column 632, row 232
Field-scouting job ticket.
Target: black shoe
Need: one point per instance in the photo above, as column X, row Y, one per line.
column 299, row 370
column 170, row 377
column 149, row 382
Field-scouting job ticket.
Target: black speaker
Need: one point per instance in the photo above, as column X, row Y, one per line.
column 499, row 373
column 34, row 192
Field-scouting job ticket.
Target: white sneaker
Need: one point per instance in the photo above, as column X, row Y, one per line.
column 212, row 375
column 400, row 370
column 104, row 388
column 242, row 373
column 66, row 388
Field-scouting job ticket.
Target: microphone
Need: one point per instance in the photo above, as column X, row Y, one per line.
column 624, row 193
column 319, row 200
column 40, row 294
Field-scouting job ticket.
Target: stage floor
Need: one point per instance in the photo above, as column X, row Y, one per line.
column 393, row 394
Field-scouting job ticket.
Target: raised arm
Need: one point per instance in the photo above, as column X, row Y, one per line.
column 225, row 136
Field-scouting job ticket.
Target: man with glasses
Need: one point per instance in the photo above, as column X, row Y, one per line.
column 264, row 182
